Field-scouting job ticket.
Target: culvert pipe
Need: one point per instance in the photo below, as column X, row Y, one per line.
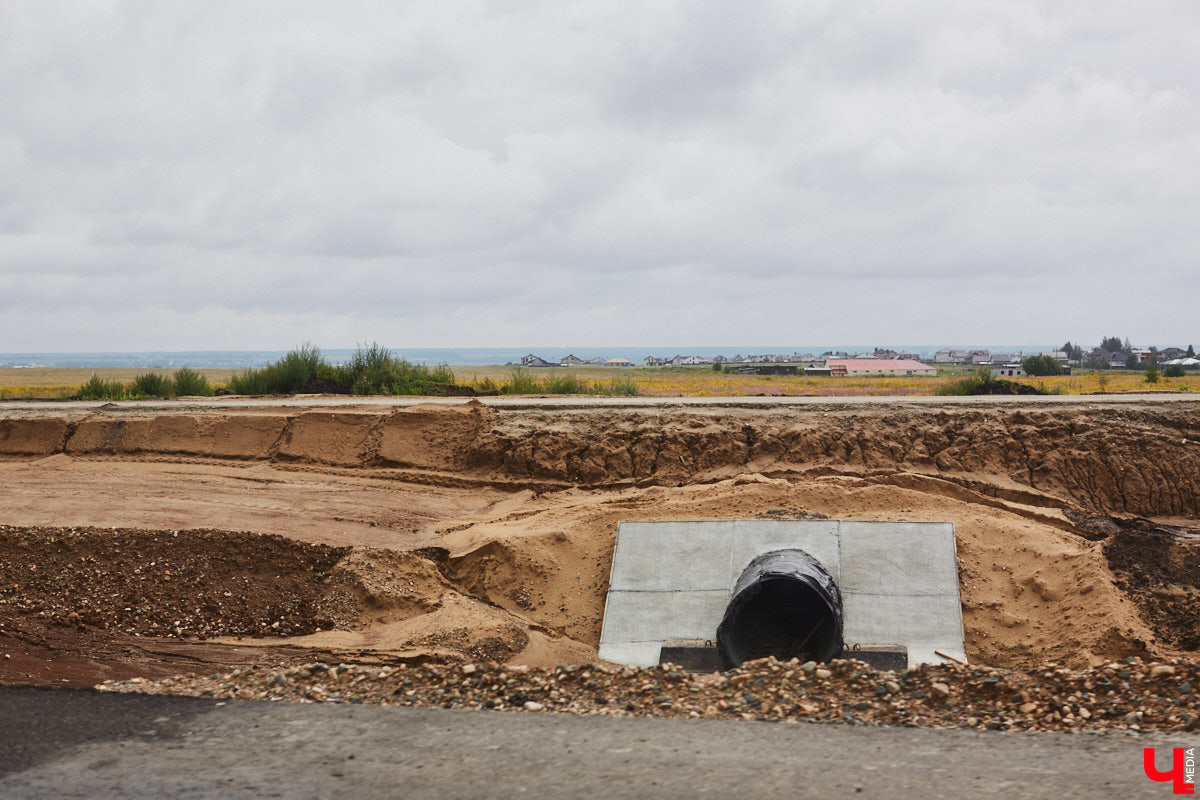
column 785, row 605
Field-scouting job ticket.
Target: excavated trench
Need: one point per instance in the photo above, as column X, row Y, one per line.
column 1080, row 514
column 1102, row 460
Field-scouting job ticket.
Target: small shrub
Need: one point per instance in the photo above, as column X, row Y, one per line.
column 441, row 374
column 99, row 389
column 967, row 385
column 289, row 374
column 1174, row 371
column 1151, row 373
column 564, row 384
column 624, row 386
column 485, row 386
column 982, row 383
column 151, row 384
column 520, row 382
column 250, row 382
column 374, row 370
column 371, row 370
column 190, row 383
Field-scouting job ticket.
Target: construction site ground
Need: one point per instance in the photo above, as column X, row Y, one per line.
column 144, row 540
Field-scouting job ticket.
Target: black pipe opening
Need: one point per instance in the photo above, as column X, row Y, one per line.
column 785, row 605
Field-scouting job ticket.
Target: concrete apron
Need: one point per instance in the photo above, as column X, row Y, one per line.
column 673, row 581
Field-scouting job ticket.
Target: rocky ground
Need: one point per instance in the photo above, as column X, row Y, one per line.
column 191, row 583
column 416, row 543
column 1129, row 694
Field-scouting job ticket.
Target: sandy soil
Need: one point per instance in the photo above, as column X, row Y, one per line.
column 471, row 532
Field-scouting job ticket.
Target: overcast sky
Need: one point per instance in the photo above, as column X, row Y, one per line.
column 245, row 175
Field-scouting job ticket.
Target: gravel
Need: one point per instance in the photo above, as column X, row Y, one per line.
column 170, row 583
column 1130, row 694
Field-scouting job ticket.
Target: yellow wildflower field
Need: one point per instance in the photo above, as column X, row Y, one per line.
column 59, row 383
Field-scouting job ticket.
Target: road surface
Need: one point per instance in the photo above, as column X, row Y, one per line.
column 72, row 743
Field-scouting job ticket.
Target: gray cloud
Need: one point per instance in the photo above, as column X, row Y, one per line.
column 193, row 175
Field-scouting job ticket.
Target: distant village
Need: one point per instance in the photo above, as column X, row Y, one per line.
column 891, row 362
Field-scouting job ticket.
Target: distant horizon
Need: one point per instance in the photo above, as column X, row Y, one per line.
column 459, row 356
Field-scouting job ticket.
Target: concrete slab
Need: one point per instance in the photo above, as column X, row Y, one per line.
column 673, row 580
column 640, row 617
column 632, row 654
column 898, row 558
column 699, row 556
column 698, row 614
column 925, row 654
column 934, row 620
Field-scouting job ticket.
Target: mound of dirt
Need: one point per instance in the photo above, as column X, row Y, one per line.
column 104, row 585
column 33, row 437
column 1159, row 566
column 195, row 583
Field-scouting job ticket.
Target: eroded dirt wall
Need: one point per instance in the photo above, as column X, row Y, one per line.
column 1102, row 460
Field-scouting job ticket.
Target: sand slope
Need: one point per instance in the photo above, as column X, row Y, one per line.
column 508, row 517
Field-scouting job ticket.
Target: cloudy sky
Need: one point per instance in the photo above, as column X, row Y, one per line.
column 233, row 175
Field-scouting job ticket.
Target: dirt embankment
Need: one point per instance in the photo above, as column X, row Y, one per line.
column 75, row 590
column 1052, row 565
column 1109, row 460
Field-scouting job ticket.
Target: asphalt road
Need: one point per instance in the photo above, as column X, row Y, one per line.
column 577, row 402
column 64, row 744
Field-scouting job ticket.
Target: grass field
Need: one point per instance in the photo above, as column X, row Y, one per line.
column 56, row 383
column 59, row 383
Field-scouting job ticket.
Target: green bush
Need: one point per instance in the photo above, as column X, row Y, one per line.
column 564, row 384
column 249, row 382
column 1151, row 373
column 1174, row 371
column 374, row 370
column 190, row 383
column 1042, row 365
column 371, row 370
column 288, row 375
column 291, row 373
column 982, row 382
column 620, row 387
column 441, row 373
column 520, row 382
column 99, row 389
column 151, row 384
column 485, row 386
